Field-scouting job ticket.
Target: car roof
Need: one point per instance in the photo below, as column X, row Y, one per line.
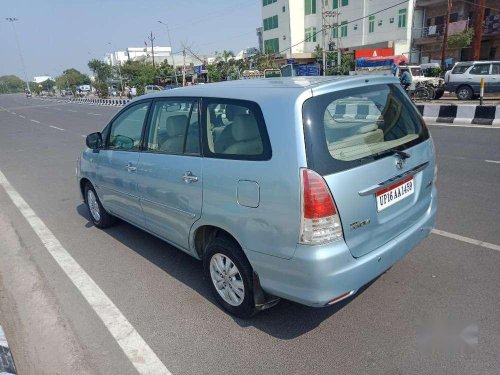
column 254, row 89
column 477, row 62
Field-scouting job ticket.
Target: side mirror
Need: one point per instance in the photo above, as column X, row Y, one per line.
column 94, row 140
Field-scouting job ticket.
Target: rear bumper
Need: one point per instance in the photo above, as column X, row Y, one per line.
column 318, row 274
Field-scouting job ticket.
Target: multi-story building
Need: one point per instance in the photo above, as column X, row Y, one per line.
column 292, row 28
column 428, row 30
column 138, row 54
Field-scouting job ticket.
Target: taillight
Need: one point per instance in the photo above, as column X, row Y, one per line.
column 320, row 222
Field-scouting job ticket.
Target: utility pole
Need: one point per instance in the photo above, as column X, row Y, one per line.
column 12, row 20
column 445, row 36
column 151, row 39
column 326, row 26
column 184, row 67
column 170, row 42
column 323, row 34
column 478, row 29
column 339, row 54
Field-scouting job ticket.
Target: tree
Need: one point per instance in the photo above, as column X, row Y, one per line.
column 11, row 84
column 139, row 74
column 462, row 39
column 71, row 78
column 101, row 70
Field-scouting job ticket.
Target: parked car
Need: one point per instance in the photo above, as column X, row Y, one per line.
column 152, row 88
column 306, row 188
column 434, row 85
column 170, row 87
column 465, row 78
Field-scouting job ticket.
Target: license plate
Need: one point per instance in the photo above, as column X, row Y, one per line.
column 395, row 193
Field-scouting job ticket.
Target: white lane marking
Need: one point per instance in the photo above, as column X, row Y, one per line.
column 84, row 136
column 95, row 114
column 70, row 110
column 55, row 127
column 472, row 241
column 35, row 121
column 14, row 113
column 493, row 161
column 465, row 126
column 132, row 344
column 22, row 116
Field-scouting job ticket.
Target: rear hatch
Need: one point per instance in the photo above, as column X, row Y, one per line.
column 372, row 148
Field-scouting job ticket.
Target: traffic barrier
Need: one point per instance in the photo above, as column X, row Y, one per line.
column 91, row 101
column 464, row 114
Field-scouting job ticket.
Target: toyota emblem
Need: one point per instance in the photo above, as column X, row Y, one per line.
column 400, row 163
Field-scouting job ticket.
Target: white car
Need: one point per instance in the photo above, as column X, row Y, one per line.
column 152, row 88
column 465, row 78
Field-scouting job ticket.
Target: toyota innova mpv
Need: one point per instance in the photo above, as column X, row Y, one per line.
column 297, row 188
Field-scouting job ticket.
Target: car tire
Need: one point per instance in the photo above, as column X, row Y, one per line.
column 464, row 93
column 98, row 215
column 221, row 259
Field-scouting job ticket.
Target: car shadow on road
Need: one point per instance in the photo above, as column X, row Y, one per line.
column 285, row 321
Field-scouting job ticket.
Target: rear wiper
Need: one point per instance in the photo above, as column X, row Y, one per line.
column 403, row 155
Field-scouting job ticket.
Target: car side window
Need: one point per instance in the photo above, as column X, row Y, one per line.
column 495, row 69
column 480, row 69
column 173, row 127
column 126, row 129
column 235, row 129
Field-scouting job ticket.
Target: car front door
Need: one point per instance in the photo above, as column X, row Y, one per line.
column 169, row 172
column 117, row 167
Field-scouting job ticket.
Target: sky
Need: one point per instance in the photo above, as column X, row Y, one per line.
column 58, row 34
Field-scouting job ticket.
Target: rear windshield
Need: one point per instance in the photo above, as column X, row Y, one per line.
column 347, row 128
column 460, row 69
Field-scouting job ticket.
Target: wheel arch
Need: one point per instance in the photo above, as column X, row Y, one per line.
column 203, row 234
column 83, row 182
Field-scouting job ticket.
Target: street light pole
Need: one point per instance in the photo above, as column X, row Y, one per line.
column 170, row 42
column 12, row 20
column 151, row 39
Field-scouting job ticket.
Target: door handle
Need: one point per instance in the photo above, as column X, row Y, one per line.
column 188, row 177
column 130, row 167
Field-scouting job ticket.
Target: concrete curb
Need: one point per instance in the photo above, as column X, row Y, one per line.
column 92, row 101
column 7, row 366
column 465, row 114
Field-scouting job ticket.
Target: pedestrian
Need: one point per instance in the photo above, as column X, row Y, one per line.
column 406, row 79
column 394, row 69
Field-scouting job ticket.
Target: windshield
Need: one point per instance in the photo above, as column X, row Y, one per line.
column 461, row 68
column 358, row 125
column 417, row 72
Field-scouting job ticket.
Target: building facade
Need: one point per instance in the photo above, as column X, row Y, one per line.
column 428, row 30
column 292, row 28
column 138, row 54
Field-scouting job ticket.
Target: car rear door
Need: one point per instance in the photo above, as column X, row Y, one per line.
column 477, row 72
column 495, row 77
column 169, row 173
column 379, row 165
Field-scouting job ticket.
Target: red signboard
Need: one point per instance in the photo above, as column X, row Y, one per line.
column 373, row 52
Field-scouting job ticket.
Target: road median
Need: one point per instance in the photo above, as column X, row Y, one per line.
column 461, row 114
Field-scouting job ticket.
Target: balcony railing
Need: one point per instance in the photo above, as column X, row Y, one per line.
column 436, row 31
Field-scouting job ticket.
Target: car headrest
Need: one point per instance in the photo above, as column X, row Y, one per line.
column 232, row 111
column 176, row 125
column 244, row 128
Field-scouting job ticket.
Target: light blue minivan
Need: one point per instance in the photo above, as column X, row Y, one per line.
column 297, row 188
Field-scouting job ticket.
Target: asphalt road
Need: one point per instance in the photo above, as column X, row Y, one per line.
column 435, row 312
